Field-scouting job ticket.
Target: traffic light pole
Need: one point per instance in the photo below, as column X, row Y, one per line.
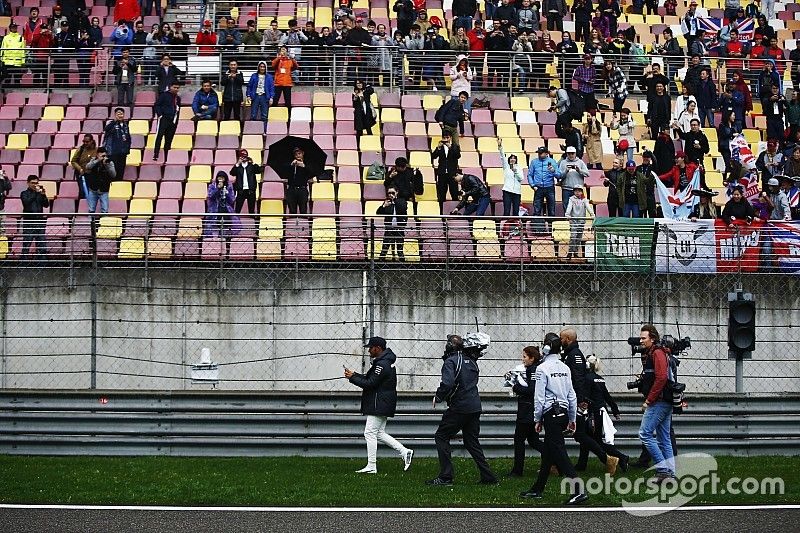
column 741, row 331
column 739, row 374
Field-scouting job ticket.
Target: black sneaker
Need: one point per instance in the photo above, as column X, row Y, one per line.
column 624, row 462
column 492, row 481
column 439, row 481
column 531, row 494
column 577, row 499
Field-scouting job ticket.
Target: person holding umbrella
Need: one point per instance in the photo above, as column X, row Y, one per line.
column 306, row 162
column 299, row 178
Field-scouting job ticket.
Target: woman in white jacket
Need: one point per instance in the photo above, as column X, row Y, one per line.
column 461, row 76
column 684, row 121
column 578, row 210
column 512, row 178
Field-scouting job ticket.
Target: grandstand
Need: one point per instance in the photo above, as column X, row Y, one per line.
column 156, row 210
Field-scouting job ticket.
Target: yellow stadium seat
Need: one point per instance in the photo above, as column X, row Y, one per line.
column 141, row 208
column 714, row 180
column 50, row 188
column 527, row 194
column 190, row 227
column 488, row 145
column 494, row 176
column 507, row 130
column 323, row 13
column 159, row 247
column 134, row 158
column 488, row 250
column 270, row 228
column 139, row 126
column 520, row 103
column 323, row 250
column 180, row 142
column 110, row 228
column 206, row 127
column 391, row 114
column 230, row 127
column 347, row 158
column 543, row 250
column 17, row 141
column 484, row 230
column 598, row 195
column 269, row 250
column 504, row 116
column 323, row 191
column 253, row 142
column 469, row 160
column 349, row 191
column 272, row 207
column 711, row 133
column 323, row 239
column 120, row 190
column 195, row 190
column 561, row 230
column 431, row 102
column 278, row 114
column 200, row 173
column 513, row 145
column 410, row 250
column 131, row 248
column 323, row 114
column 420, row 159
column 428, row 208
column 370, row 143
column 751, row 135
column 145, row 189
column 428, row 194
column 53, row 112
column 371, row 206
column 3, row 246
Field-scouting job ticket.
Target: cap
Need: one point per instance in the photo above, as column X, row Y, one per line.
column 787, row 178
column 179, row 23
column 577, row 188
column 541, row 150
column 243, row 153
column 376, row 341
column 704, row 193
column 680, row 154
column 623, row 144
column 773, row 181
column 630, row 164
column 65, row 23
column 571, row 150
column 692, row 3
column 13, row 25
column 206, row 23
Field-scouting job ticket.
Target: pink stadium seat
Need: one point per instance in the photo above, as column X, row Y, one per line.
column 15, row 99
column 52, row 173
column 162, row 226
column 187, row 249
column 213, row 248
column 95, row 127
column 9, row 112
column 323, row 207
column 348, row 175
column 296, row 249
column 323, row 128
column 80, row 99
column 272, row 190
column 392, row 128
column 37, row 99
column 32, row 112
column 63, row 140
column 205, row 142
column 150, row 173
column 242, row 248
column 389, row 99
column 58, row 98
column 302, row 129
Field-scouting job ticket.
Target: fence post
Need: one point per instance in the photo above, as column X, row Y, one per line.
column 333, row 72
column 4, row 340
column 652, row 291
column 93, row 306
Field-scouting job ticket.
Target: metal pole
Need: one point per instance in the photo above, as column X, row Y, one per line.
column 739, row 374
column 4, row 341
column 93, row 306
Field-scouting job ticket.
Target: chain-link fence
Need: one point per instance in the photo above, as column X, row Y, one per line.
column 111, row 313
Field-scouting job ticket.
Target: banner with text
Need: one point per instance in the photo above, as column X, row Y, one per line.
column 624, row 243
column 686, row 247
column 739, row 247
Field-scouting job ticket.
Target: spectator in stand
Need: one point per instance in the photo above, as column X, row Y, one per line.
column 5, row 190
column 206, row 40
column 653, row 76
column 232, row 82
column 792, row 166
column 631, row 189
column 166, row 110
column 584, row 77
column 683, row 123
column 582, row 15
column 601, row 24
column 682, row 102
column 617, row 84
column 610, row 180
column 252, row 41
column 179, row 42
column 395, row 211
column 735, row 51
column 512, row 180
column 220, row 202
column 401, row 178
column 121, row 37
column 767, row 78
column 741, row 85
column 414, row 43
column 728, row 129
column 56, row 19
column 40, row 44
column 357, row 38
column 139, row 40
column 100, row 172
column 383, row 55
column 33, row 26
column 446, row 155
column 555, row 11
column 229, row 39
column 294, row 39
column 770, row 162
column 777, row 201
column 707, row 98
column 477, row 45
column 695, row 143
column 34, row 200
column 96, row 32
column 79, row 21
column 461, row 76
column 529, row 16
column 260, row 91
column 434, row 58
column 692, row 78
column 299, row 179
column 577, row 211
column 572, row 137
column 463, row 12
column 475, row 198
column 167, row 74
column 460, row 41
column 573, row 171
column 523, row 65
column 560, row 103
column 422, row 20
column 774, row 107
column 84, row 154
column 406, row 15
column 206, row 102
column 124, row 72
column 648, row 169
column 568, row 52
column 283, row 65
column 612, row 11
column 246, row 185
column 490, row 6
column 737, row 208
column 793, row 114
column 681, row 174
column 672, row 52
column 794, row 57
column 705, row 209
column 592, row 131
column 542, row 175
column 700, row 48
column 690, row 24
column 117, row 141
column 506, row 14
column 451, row 116
column 272, row 37
column 67, row 43
column 763, row 32
column 364, row 115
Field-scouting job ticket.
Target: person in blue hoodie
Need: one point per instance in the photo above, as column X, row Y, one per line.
column 205, row 103
column 542, row 175
column 120, row 37
column 260, row 91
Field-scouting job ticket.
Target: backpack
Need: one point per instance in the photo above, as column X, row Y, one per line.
column 419, row 184
column 376, row 172
column 576, row 106
column 638, row 55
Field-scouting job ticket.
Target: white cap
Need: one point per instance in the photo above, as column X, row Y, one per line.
column 571, row 150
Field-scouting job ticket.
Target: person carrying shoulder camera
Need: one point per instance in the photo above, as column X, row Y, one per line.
column 657, row 407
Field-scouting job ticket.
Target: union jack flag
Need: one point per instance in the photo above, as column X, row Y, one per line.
column 712, row 26
column 785, row 238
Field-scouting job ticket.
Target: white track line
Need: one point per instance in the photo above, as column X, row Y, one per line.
column 392, row 509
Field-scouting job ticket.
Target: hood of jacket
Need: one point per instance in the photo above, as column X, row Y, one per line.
column 388, row 356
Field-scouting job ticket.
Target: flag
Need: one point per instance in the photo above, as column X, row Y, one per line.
column 749, row 184
column 741, row 152
column 747, row 29
column 711, row 25
column 738, row 247
column 678, row 204
column 785, row 237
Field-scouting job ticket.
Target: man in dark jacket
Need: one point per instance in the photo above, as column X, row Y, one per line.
column 475, row 198
column 232, row 98
column 658, row 110
column 459, row 388
column 167, row 74
column 167, row 108
column 524, row 386
column 695, row 143
column 117, row 141
column 576, row 361
column 463, row 12
column 395, row 217
column 34, row 201
column 299, row 178
column 246, row 184
column 378, row 402
column 100, row 172
column 446, row 156
column 451, row 115
column 402, row 178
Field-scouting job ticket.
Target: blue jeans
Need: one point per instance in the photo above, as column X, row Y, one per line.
column 148, row 8
column 92, row 199
column 489, row 10
column 658, row 419
column 706, row 114
column 462, row 22
column 566, row 194
column 259, row 102
column 541, row 193
column 478, row 208
column 631, row 209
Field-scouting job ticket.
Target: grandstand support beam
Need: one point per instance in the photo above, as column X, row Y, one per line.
column 3, row 341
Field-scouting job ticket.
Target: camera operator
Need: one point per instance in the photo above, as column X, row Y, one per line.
column 657, row 407
column 404, row 179
column 459, row 388
column 573, row 357
column 395, row 211
column 246, row 184
column 100, row 172
column 34, row 200
column 554, row 410
column 525, row 428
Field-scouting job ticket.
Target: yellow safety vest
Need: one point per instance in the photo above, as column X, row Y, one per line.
column 12, row 51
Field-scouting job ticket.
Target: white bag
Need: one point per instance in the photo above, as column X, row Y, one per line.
column 608, row 427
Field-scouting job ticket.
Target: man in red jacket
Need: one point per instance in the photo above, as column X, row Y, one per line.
column 657, row 407
column 206, row 40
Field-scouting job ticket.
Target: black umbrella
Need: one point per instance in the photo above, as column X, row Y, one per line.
column 281, row 154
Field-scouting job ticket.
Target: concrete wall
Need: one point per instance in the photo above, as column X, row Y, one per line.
column 293, row 330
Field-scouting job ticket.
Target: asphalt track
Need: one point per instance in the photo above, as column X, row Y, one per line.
column 66, row 519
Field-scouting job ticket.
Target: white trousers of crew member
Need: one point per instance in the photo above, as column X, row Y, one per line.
column 374, row 431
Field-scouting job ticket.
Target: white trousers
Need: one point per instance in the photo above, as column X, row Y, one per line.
column 374, row 431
